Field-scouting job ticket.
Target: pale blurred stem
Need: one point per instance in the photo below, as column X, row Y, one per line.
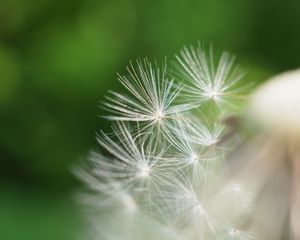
column 268, row 169
column 295, row 193
column 265, row 164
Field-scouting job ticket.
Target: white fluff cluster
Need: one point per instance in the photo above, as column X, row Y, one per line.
column 163, row 175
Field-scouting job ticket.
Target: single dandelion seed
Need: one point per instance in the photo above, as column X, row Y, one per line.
column 208, row 82
column 151, row 99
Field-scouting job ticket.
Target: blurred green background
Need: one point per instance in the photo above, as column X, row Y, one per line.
column 59, row 58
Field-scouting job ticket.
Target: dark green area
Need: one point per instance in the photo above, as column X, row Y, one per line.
column 59, row 58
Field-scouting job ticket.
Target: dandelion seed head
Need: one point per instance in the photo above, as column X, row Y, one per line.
column 213, row 94
column 159, row 115
column 194, row 158
column 144, row 171
column 161, row 162
column 199, row 208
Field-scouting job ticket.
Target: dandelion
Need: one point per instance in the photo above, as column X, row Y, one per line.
column 162, row 172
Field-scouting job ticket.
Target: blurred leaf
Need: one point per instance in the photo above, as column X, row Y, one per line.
column 9, row 75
